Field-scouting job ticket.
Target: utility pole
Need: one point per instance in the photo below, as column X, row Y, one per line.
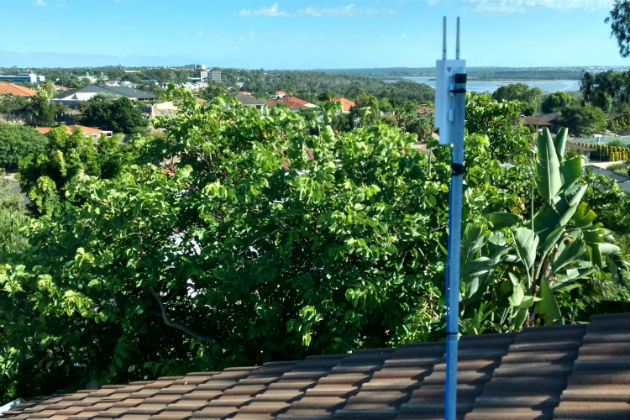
column 450, row 109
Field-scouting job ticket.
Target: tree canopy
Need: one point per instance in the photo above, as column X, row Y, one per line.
column 520, row 92
column 17, row 142
column 118, row 115
column 619, row 20
column 245, row 236
column 557, row 102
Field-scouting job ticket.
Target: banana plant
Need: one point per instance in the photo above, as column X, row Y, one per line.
column 544, row 257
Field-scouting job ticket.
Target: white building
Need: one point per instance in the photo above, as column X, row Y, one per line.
column 32, row 78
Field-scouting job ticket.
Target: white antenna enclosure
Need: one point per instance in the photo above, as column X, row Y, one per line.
column 445, row 87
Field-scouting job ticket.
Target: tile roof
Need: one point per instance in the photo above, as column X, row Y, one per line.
column 296, row 103
column 565, row 372
column 423, row 109
column 249, row 99
column 538, row 120
column 346, row 104
column 11, row 89
column 109, row 90
column 70, row 129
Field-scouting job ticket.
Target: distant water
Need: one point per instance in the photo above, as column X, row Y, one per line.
column 481, row 86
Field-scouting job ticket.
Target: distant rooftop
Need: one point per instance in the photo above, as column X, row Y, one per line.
column 17, row 90
column 116, row 91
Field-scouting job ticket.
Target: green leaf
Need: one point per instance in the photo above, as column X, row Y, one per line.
column 583, row 218
column 608, row 249
column 560, row 142
column 568, row 253
column 519, row 318
column 503, row 219
column 548, row 169
column 548, row 306
column 551, row 239
column 571, row 171
column 526, row 242
column 517, row 295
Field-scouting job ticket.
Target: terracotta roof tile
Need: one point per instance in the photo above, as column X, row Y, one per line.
column 346, row 104
column 7, row 88
column 296, row 103
column 70, row 129
column 567, row 372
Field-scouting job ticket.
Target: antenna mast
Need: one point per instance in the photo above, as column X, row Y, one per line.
column 450, row 108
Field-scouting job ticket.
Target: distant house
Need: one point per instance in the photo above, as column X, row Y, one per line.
column 541, row 121
column 296, row 104
column 346, row 104
column 424, row 111
column 76, row 96
column 93, row 132
column 163, row 109
column 280, row 94
column 7, row 88
column 249, row 100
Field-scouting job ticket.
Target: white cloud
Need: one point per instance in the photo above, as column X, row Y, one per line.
column 349, row 10
column 315, row 11
column 520, row 6
column 272, row 11
column 40, row 3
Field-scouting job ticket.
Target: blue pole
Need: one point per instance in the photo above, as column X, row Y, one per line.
column 454, row 242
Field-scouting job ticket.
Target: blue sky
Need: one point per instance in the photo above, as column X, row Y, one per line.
column 303, row 34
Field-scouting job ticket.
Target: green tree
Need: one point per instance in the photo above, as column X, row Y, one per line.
column 366, row 110
column 239, row 238
column 119, row 115
column 47, row 89
column 13, row 219
column 385, row 105
column 266, row 242
column 584, row 121
column 557, row 102
column 46, row 175
column 212, row 92
column 608, row 90
column 619, row 20
column 16, row 142
column 42, row 112
column 501, row 122
column 325, row 96
column 520, row 92
column 522, row 270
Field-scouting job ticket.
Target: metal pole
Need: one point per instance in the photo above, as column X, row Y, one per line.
column 454, row 242
column 453, row 262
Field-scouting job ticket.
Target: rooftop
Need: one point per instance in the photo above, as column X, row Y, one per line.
column 296, row 103
column 249, row 99
column 12, row 89
column 70, row 129
column 346, row 104
column 563, row 372
column 118, row 91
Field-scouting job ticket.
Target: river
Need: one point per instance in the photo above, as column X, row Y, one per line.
column 490, row 86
